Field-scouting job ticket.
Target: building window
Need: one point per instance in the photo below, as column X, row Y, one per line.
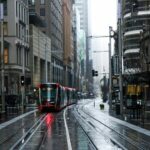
column 17, row 29
column 42, row 12
column 5, row 26
column 146, row 51
column 35, row 64
column 19, row 11
column 26, row 57
column 6, row 55
column 16, row 8
column 18, row 56
column 5, row 8
column 42, row 2
column 31, row 2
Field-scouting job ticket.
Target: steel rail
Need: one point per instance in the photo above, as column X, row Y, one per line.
column 90, row 140
column 13, row 133
column 115, row 142
column 129, row 140
column 22, row 141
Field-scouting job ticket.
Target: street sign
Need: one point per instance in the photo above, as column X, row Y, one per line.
column 1, row 11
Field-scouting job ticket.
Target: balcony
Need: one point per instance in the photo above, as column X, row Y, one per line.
column 136, row 6
column 131, row 45
column 131, row 51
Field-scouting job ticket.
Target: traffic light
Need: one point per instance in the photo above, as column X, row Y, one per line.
column 22, row 80
column 94, row 73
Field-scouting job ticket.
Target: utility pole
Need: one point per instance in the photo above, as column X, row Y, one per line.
column 2, row 58
column 110, row 72
column 120, row 68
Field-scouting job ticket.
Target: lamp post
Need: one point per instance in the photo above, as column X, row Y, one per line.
column 2, row 58
column 109, row 56
column 120, row 67
column 110, row 72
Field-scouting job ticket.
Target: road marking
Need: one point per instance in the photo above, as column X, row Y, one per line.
column 67, row 131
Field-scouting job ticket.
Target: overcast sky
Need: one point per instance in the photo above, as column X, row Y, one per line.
column 103, row 13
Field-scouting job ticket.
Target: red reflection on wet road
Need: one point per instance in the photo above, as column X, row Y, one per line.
column 49, row 119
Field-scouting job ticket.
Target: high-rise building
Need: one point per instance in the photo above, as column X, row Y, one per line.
column 82, row 6
column 76, row 30
column 68, row 55
column 40, row 47
column 135, row 15
column 136, row 21
column 51, row 13
column 56, row 16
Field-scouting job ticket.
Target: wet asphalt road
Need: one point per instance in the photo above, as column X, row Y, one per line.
column 49, row 131
column 49, row 134
column 52, row 134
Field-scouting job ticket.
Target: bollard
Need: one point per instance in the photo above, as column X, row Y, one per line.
column 101, row 106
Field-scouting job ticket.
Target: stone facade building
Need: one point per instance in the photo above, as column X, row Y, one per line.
column 16, row 45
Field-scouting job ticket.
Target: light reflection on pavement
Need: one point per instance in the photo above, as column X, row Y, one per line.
column 52, row 134
column 133, row 134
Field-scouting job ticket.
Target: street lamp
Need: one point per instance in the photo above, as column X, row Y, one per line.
column 2, row 57
column 120, row 65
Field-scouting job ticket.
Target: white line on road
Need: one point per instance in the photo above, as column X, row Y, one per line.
column 67, row 131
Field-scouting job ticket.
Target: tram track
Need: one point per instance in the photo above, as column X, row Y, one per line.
column 39, row 133
column 115, row 133
column 94, row 128
column 28, row 134
column 14, row 132
column 40, row 145
column 92, row 145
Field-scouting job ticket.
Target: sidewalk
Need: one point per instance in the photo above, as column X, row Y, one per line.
column 126, row 118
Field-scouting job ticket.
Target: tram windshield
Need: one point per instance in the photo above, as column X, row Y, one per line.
column 48, row 92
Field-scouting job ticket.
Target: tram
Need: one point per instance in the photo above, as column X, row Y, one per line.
column 53, row 96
